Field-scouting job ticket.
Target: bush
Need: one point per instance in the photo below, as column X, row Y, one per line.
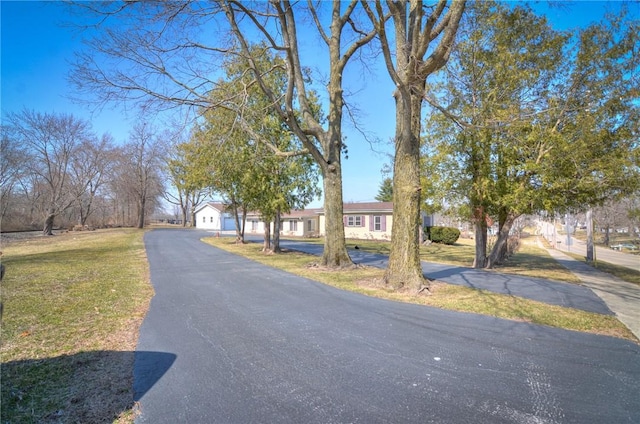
column 444, row 235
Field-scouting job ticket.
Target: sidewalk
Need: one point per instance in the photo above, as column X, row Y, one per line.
column 621, row 297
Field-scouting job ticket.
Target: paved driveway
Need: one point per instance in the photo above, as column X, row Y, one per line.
column 254, row 344
column 551, row 292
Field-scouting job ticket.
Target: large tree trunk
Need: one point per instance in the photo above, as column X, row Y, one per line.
column 86, row 211
column 414, row 30
column 404, row 268
column 48, row 225
column 277, row 225
column 590, row 248
column 480, row 235
column 85, row 216
column 335, row 250
column 141, row 213
column 500, row 249
column 335, row 253
column 266, row 246
column 239, row 221
column 183, row 210
column 244, row 222
column 82, row 217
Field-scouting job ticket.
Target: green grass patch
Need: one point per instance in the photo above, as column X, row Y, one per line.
column 533, row 261
column 460, row 253
column 367, row 280
column 621, row 272
column 73, row 304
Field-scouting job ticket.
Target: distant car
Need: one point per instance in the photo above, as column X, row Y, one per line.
column 627, row 246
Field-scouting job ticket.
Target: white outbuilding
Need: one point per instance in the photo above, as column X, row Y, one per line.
column 212, row 216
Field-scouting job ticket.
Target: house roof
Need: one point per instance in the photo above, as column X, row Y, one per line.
column 347, row 208
column 220, row 207
column 294, row 214
column 302, row 213
column 365, row 207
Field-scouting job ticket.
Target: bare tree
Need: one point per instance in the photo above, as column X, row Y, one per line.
column 140, row 167
column 423, row 35
column 325, row 144
column 160, row 54
column 615, row 216
column 90, row 166
column 188, row 195
column 121, row 200
column 13, row 161
column 51, row 141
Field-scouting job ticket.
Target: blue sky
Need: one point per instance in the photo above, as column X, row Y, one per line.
column 36, row 51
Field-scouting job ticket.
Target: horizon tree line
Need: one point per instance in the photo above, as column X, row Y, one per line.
column 55, row 172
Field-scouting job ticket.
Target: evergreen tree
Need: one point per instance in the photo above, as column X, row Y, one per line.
column 385, row 193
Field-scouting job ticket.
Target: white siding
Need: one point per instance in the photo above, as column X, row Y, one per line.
column 208, row 218
column 363, row 226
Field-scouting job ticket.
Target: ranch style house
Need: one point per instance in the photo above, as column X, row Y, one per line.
column 367, row 220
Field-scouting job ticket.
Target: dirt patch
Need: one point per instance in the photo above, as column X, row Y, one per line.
column 372, row 283
column 102, row 386
column 102, row 389
column 428, row 289
column 11, row 237
column 319, row 267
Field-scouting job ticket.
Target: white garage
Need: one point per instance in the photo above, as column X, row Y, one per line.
column 210, row 216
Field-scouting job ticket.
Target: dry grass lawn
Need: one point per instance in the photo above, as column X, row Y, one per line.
column 73, row 304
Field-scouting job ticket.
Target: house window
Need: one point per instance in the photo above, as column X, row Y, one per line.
column 311, row 226
column 204, row 219
column 354, row 221
column 293, row 225
column 254, row 225
column 211, row 220
column 378, row 223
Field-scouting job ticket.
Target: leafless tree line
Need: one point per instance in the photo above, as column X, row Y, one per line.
column 618, row 217
column 55, row 172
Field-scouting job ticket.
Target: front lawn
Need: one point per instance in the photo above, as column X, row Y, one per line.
column 73, row 304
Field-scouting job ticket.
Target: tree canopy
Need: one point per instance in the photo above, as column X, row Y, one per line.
column 165, row 55
column 531, row 119
column 168, row 55
column 254, row 161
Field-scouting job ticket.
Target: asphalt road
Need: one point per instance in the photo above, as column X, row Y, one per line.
column 579, row 247
column 256, row 345
column 604, row 254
